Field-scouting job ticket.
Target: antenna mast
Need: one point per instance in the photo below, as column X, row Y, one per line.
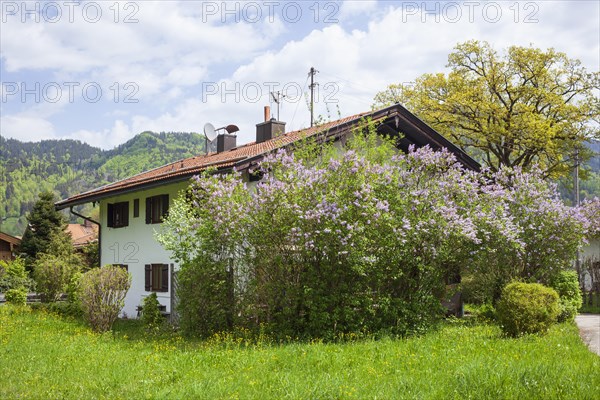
column 312, row 86
column 277, row 97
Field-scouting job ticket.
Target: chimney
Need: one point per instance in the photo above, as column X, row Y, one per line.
column 269, row 129
column 225, row 142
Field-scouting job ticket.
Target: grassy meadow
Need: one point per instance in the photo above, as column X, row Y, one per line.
column 44, row 356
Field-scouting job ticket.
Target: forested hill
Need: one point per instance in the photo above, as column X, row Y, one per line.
column 68, row 167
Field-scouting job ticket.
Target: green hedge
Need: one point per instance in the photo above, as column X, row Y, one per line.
column 566, row 285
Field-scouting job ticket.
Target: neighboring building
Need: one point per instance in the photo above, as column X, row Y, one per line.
column 132, row 208
column 590, row 262
column 8, row 246
column 83, row 234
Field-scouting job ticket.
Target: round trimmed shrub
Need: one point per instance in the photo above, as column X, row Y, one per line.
column 526, row 308
column 16, row 296
column 566, row 285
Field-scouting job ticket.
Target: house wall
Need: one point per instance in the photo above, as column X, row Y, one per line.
column 135, row 245
column 590, row 253
column 5, row 251
column 592, row 250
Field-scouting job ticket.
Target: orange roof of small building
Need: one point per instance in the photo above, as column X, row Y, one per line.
column 82, row 234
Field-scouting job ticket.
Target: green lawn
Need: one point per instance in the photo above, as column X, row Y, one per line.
column 43, row 356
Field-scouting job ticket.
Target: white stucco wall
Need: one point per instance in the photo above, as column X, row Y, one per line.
column 135, row 245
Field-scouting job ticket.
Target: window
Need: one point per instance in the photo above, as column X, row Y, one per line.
column 136, row 208
column 124, row 266
column 157, row 277
column 156, row 208
column 118, row 215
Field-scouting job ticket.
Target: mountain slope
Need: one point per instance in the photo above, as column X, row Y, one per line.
column 67, row 167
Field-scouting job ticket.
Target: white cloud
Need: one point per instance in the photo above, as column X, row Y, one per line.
column 28, row 128
column 172, row 55
column 106, row 139
column 167, row 46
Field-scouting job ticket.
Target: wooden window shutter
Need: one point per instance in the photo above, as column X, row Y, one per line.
column 164, row 283
column 148, row 273
column 110, row 216
column 126, row 214
column 165, row 205
column 136, row 208
column 148, row 210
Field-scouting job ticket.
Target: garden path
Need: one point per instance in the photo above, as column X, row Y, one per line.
column 589, row 330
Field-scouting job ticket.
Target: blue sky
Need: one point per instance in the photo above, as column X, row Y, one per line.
column 103, row 71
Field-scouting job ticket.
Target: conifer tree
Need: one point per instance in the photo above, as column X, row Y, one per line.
column 45, row 224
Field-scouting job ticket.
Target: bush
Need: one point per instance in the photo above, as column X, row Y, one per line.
column 151, row 316
column 483, row 313
column 102, row 295
column 53, row 273
column 13, row 275
column 566, row 285
column 526, row 308
column 16, row 296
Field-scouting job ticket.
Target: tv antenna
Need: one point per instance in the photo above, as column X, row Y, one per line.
column 312, row 86
column 277, row 97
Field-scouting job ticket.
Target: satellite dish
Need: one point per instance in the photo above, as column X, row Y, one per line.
column 231, row 128
column 210, row 132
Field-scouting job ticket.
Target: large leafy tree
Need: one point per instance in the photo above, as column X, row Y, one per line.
column 521, row 108
column 45, row 227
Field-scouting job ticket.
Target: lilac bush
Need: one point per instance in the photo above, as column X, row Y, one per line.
column 362, row 240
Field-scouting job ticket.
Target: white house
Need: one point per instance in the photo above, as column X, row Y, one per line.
column 132, row 208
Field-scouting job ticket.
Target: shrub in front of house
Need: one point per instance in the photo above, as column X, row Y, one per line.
column 328, row 245
column 151, row 316
column 102, row 295
column 566, row 285
column 526, row 308
column 16, row 296
column 52, row 274
column 362, row 241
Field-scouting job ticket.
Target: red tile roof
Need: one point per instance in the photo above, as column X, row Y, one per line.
column 182, row 169
column 397, row 117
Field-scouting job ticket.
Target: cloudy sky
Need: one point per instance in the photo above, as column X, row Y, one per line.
column 103, row 71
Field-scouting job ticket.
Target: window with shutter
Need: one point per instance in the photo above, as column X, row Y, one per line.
column 156, row 208
column 156, row 277
column 109, row 216
column 164, row 284
column 117, row 215
column 124, row 266
column 148, row 277
column 136, row 208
